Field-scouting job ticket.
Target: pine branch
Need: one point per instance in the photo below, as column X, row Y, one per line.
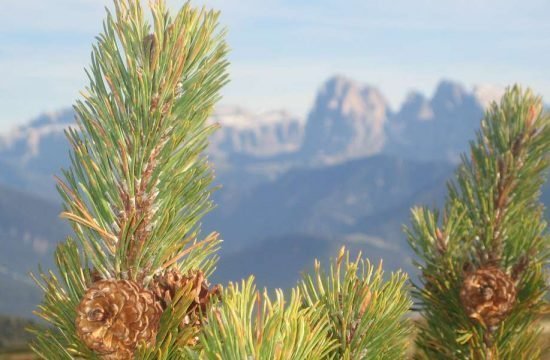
column 249, row 325
column 138, row 183
column 482, row 282
column 366, row 313
column 137, row 188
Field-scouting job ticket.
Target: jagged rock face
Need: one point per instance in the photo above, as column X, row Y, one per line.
column 415, row 110
column 346, row 122
column 437, row 129
column 416, row 106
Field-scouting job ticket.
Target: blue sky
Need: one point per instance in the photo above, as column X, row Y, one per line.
column 283, row 50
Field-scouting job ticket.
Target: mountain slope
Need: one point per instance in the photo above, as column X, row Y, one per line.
column 29, row 230
column 328, row 200
column 277, row 262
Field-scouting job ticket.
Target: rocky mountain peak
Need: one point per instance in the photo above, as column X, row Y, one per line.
column 348, row 97
column 347, row 121
column 449, row 95
column 435, row 129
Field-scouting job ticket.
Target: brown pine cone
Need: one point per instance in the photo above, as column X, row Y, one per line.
column 115, row 316
column 165, row 286
column 488, row 295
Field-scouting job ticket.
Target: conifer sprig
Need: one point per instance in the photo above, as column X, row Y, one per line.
column 366, row 314
column 482, row 281
column 250, row 325
column 139, row 182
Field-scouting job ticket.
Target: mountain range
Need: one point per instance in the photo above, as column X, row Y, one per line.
column 293, row 188
column 348, row 120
